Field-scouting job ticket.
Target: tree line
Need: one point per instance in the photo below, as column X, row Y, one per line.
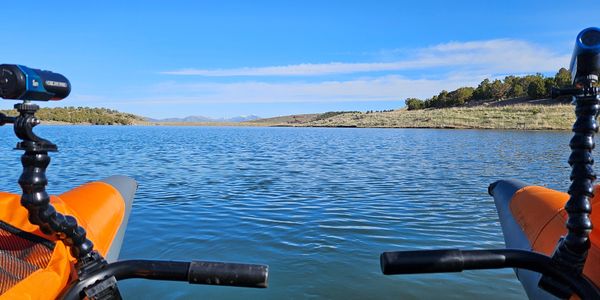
column 378, row 111
column 83, row 115
column 330, row 114
column 532, row 86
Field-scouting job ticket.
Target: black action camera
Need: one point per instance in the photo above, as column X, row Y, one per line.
column 22, row 83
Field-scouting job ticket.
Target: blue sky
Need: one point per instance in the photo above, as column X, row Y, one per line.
column 228, row 58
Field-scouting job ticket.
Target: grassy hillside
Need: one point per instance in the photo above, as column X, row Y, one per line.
column 84, row 115
column 515, row 113
column 292, row 119
column 530, row 117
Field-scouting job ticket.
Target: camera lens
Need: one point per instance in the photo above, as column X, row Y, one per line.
column 9, row 83
column 591, row 38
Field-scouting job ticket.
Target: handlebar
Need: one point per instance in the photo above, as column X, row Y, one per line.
column 455, row 260
column 195, row 272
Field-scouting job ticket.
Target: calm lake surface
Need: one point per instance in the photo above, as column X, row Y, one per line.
column 317, row 205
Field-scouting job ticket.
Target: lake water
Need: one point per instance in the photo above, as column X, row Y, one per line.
column 317, row 205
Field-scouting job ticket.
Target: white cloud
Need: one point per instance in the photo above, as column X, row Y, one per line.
column 490, row 57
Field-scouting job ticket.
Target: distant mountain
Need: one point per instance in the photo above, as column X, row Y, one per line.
column 186, row 119
column 242, row 118
column 199, row 119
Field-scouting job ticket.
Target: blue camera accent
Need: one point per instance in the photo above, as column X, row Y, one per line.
column 33, row 83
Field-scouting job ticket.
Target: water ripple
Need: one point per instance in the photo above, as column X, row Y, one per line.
column 317, row 205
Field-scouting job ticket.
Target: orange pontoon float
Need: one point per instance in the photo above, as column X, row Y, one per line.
column 533, row 218
column 36, row 266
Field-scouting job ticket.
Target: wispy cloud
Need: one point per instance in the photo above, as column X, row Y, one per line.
column 492, row 56
column 385, row 88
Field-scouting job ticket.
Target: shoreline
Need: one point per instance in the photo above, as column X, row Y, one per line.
column 557, row 117
column 184, row 124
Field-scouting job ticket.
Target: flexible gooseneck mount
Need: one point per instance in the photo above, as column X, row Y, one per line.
column 33, row 183
column 571, row 253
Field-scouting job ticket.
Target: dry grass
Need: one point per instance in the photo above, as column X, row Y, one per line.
column 292, row 119
column 529, row 117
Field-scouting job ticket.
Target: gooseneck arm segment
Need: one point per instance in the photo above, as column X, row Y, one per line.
column 33, row 183
column 571, row 253
column 36, row 200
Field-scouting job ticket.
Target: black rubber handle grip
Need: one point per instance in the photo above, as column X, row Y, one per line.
column 425, row 261
column 230, row 274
